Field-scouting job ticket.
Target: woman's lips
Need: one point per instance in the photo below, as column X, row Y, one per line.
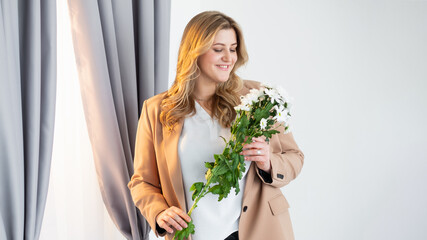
column 223, row 67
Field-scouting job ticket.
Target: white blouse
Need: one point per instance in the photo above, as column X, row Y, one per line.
column 199, row 141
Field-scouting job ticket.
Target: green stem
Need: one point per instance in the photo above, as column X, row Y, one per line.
column 201, row 194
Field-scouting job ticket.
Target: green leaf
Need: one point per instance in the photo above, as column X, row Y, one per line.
column 229, row 176
column 236, row 189
column 269, row 106
column 272, row 132
column 214, row 179
column 185, row 232
column 266, row 135
column 226, row 151
column 232, row 144
column 225, row 187
column 221, row 158
column 236, row 159
column 209, row 165
column 257, row 134
column 216, row 189
column 244, row 122
column 196, row 187
column 258, row 114
column 220, row 169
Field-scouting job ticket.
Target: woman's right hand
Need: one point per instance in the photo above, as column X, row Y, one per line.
column 173, row 217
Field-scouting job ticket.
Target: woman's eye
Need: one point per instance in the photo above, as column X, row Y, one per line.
column 220, row 50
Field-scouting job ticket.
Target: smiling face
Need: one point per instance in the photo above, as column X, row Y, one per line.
column 216, row 64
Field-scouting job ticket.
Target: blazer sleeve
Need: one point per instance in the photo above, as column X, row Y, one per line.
column 286, row 160
column 145, row 183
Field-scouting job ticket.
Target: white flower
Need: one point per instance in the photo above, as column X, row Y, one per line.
column 245, row 100
column 257, row 92
column 263, row 123
column 281, row 114
column 251, row 97
column 242, row 107
column 274, row 95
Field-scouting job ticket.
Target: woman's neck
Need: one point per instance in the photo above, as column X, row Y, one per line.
column 204, row 90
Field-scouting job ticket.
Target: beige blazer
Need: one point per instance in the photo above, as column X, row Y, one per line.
column 157, row 181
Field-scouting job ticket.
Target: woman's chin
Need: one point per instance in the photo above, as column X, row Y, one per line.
column 222, row 80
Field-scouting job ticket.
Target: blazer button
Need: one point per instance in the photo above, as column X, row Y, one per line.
column 245, row 208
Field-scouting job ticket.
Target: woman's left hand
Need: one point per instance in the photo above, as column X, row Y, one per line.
column 259, row 152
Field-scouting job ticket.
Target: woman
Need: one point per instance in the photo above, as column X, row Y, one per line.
column 180, row 129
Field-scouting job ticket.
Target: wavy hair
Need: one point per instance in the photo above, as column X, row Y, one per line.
column 197, row 39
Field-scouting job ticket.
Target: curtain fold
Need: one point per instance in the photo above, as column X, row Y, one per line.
column 121, row 50
column 27, row 111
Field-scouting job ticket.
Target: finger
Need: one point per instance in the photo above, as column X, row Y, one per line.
column 255, row 159
column 182, row 214
column 255, row 152
column 166, row 227
column 179, row 220
column 171, row 221
column 259, row 145
column 258, row 139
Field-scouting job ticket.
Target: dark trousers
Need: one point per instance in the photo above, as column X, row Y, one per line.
column 233, row 236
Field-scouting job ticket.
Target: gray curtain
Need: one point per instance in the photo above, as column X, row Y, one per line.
column 27, row 111
column 122, row 50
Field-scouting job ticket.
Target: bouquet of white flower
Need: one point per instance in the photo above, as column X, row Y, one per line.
column 261, row 111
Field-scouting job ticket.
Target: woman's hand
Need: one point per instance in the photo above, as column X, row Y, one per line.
column 259, row 152
column 172, row 217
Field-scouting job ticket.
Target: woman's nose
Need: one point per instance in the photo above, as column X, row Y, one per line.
column 227, row 56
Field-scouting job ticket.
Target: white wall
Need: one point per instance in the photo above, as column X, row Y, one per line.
column 358, row 73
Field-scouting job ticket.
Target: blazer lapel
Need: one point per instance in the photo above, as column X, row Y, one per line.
column 170, row 148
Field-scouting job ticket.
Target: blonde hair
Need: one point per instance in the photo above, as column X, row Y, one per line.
column 197, row 39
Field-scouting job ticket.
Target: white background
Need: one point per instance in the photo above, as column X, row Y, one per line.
column 358, row 73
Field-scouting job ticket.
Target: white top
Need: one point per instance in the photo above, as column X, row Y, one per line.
column 199, row 141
